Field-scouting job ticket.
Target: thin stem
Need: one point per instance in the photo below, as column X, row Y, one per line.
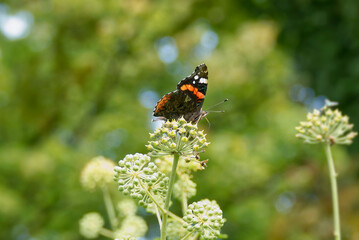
column 333, row 182
column 109, row 207
column 168, row 196
column 150, row 196
column 107, row 233
column 184, row 202
column 187, row 235
column 158, row 216
column 174, row 216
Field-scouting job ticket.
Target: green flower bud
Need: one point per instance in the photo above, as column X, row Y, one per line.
column 184, row 186
column 184, row 139
column 172, row 133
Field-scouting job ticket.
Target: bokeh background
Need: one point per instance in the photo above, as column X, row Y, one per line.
column 80, row 79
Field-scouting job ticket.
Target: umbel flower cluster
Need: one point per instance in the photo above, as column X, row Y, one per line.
column 326, row 126
column 177, row 137
column 91, row 225
column 97, row 173
column 138, row 177
column 204, row 217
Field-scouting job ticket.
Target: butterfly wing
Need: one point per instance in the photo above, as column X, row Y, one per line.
column 187, row 100
column 195, row 85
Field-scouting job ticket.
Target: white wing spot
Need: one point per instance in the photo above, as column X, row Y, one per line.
column 203, row 80
column 196, row 77
column 194, row 82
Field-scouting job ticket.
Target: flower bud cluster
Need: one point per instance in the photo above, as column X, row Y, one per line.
column 175, row 230
column 326, row 126
column 204, row 217
column 97, row 173
column 127, row 207
column 177, row 137
column 91, row 225
column 186, row 165
column 132, row 227
column 137, row 177
column 184, row 187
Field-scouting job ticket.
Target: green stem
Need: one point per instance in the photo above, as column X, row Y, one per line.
column 109, row 207
column 333, row 182
column 184, row 202
column 107, row 233
column 168, row 196
column 175, row 217
column 150, row 196
column 158, row 215
column 187, row 235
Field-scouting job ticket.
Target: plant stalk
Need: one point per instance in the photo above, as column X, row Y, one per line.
column 109, row 207
column 107, row 233
column 168, row 196
column 187, row 235
column 333, row 183
column 184, row 203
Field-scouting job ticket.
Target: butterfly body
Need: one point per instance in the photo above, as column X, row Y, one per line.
column 187, row 100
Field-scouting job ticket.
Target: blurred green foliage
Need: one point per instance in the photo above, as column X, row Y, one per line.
column 71, row 89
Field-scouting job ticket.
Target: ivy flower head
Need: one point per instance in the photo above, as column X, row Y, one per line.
column 184, row 187
column 326, row 126
column 91, row 225
column 177, row 137
column 127, row 207
column 132, row 227
column 175, row 230
column 97, row 173
column 139, row 178
column 187, row 166
column 204, row 217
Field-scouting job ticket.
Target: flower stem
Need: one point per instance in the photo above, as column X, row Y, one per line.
column 107, row 233
column 158, row 216
column 168, row 196
column 174, row 216
column 333, row 182
column 187, row 235
column 109, row 207
column 184, row 202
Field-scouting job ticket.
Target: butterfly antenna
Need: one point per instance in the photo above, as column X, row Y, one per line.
column 215, row 105
column 220, row 111
column 209, row 124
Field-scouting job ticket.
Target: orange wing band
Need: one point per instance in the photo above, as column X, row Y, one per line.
column 162, row 102
column 200, row 95
column 192, row 89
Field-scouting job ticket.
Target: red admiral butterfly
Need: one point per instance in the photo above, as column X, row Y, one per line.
column 187, row 100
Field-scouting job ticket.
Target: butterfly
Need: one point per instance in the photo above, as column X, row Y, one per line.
column 187, row 100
